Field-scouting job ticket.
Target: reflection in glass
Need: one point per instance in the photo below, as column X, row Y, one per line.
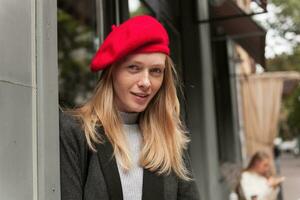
column 77, row 42
column 137, row 7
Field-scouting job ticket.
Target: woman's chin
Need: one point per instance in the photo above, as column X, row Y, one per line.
column 137, row 108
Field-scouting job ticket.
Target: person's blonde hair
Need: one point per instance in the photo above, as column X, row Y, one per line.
column 256, row 158
column 164, row 138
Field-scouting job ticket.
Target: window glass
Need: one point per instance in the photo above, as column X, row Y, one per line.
column 137, row 7
column 77, row 42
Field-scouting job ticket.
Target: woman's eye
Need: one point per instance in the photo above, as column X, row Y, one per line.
column 133, row 68
column 157, row 71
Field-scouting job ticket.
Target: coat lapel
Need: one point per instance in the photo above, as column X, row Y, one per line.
column 109, row 168
column 153, row 184
column 153, row 187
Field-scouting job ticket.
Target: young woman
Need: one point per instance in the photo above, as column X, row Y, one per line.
column 257, row 182
column 127, row 141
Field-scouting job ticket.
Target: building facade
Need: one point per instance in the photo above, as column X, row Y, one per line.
column 44, row 61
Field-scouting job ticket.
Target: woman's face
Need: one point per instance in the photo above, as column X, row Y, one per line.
column 263, row 167
column 136, row 80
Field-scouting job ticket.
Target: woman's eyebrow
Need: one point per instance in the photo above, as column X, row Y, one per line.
column 162, row 65
column 135, row 62
column 158, row 65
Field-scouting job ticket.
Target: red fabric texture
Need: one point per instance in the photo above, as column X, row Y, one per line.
column 141, row 34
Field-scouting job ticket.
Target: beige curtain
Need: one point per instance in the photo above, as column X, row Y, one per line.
column 261, row 101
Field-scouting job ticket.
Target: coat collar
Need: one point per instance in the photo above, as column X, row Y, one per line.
column 153, row 187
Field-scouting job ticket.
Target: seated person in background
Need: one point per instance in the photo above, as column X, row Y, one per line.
column 256, row 180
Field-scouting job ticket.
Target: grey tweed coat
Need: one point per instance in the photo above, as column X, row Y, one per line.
column 87, row 175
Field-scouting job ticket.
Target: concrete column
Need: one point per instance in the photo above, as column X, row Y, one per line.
column 29, row 157
column 47, row 100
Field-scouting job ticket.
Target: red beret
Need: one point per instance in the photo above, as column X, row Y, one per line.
column 141, row 34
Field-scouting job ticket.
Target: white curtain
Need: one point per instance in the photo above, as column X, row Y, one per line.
column 261, row 101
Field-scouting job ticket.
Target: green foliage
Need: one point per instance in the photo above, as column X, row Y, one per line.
column 288, row 19
column 293, row 105
column 290, row 125
column 287, row 25
column 285, row 62
column 75, row 50
column 289, row 8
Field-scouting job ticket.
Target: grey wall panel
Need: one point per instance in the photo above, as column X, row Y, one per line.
column 29, row 142
column 15, row 41
column 16, row 142
column 47, row 101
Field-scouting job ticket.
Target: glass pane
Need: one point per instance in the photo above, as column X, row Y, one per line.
column 137, row 7
column 77, row 43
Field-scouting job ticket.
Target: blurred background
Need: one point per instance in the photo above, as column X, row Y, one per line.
column 238, row 62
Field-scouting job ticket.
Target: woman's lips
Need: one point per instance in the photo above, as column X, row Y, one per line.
column 140, row 97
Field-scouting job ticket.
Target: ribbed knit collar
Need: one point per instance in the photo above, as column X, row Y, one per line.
column 129, row 118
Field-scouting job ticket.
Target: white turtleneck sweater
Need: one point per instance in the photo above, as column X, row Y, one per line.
column 132, row 180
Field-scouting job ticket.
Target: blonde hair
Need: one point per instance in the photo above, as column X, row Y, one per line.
column 164, row 138
column 257, row 158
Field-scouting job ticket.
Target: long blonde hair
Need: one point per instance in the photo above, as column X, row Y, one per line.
column 164, row 138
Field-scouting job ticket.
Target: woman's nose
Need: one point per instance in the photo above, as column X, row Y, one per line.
column 144, row 80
